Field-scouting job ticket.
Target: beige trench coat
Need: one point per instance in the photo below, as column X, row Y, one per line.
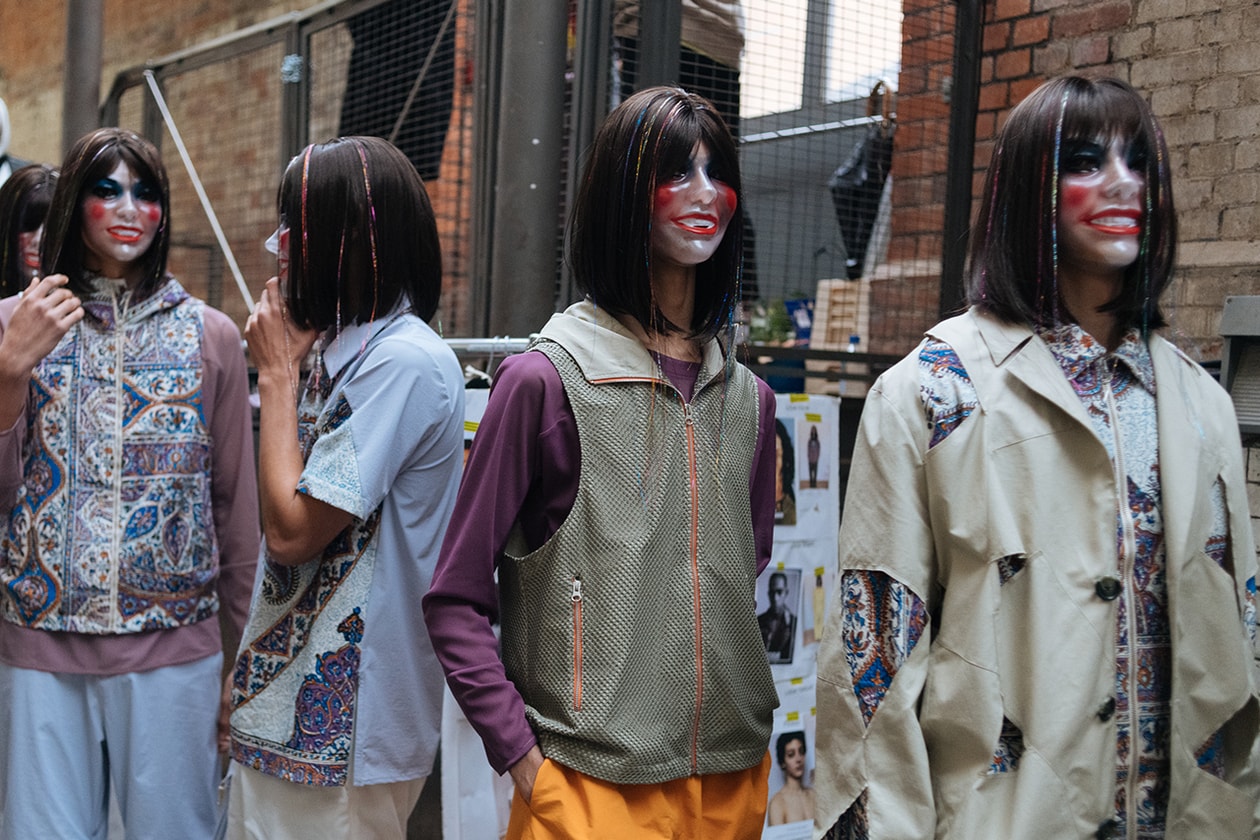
column 1027, row 475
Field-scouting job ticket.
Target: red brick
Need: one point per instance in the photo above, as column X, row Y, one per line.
column 996, row 37
column 932, row 107
column 1033, row 30
column 929, row 161
column 1008, row 9
column 1013, row 64
column 935, row 6
column 910, row 135
column 928, row 50
column 1020, row 89
column 913, row 80
column 981, row 154
column 986, row 125
column 994, row 96
column 919, row 26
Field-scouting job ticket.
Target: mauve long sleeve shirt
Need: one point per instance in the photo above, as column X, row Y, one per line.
column 524, row 466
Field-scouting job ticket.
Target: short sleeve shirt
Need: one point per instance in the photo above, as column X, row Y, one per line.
column 381, row 431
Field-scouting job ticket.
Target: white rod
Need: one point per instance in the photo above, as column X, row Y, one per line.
column 201, row 193
column 491, row 346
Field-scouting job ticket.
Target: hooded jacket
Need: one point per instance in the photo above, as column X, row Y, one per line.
column 631, row 633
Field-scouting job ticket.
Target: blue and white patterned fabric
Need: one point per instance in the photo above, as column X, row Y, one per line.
column 336, row 680
column 113, row 530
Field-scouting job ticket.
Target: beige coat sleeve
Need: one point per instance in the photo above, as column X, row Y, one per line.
column 885, row 536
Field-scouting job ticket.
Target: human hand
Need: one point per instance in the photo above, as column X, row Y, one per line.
column 46, row 312
column 276, row 345
column 224, row 729
column 525, row 771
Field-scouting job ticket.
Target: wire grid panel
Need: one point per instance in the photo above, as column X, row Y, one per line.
column 399, row 70
column 228, row 115
column 838, row 185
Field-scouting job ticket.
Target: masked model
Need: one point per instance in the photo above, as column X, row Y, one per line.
column 24, row 202
column 337, row 694
column 1045, row 621
column 127, row 488
column 622, row 485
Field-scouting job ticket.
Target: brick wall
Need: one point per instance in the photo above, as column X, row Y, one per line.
column 1197, row 63
column 905, row 290
column 33, row 45
column 228, row 114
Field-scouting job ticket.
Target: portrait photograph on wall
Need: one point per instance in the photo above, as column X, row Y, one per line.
column 790, row 807
column 778, row 609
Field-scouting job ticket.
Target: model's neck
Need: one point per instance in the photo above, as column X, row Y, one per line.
column 1084, row 298
column 674, row 294
column 674, row 290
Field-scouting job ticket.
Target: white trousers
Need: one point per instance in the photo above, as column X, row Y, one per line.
column 262, row 807
column 65, row 738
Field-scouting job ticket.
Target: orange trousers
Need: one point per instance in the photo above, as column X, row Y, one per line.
column 568, row 805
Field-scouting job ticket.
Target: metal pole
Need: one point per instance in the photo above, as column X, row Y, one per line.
column 160, row 100
column 592, row 66
column 817, row 35
column 964, row 101
column 81, row 95
column 660, row 36
column 528, row 167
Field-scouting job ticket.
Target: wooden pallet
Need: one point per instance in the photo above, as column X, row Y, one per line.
column 842, row 308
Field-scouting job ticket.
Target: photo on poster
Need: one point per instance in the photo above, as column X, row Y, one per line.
column 816, row 474
column 807, row 460
column 778, row 609
column 785, row 473
column 815, row 614
column 790, row 808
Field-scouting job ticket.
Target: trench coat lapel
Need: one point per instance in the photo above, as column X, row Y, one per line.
column 1027, row 358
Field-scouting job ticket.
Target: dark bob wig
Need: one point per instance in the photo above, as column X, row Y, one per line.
column 24, row 202
column 92, row 157
column 647, row 138
column 1013, row 263
column 361, row 234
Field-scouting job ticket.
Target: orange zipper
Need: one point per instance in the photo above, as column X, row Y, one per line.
column 576, row 599
column 695, row 581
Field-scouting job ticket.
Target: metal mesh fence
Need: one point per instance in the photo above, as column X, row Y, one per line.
column 244, row 108
column 844, row 190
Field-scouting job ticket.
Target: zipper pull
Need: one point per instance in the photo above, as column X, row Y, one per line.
column 687, row 418
column 576, row 597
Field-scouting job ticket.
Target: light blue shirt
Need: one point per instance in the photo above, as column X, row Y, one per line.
column 337, row 655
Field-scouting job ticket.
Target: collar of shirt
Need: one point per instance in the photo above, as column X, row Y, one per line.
column 338, row 349
column 1077, row 352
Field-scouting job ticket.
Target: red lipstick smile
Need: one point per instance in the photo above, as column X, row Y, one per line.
column 702, row 224
column 1112, row 221
column 126, row 234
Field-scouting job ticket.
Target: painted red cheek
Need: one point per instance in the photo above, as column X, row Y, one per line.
column 96, row 210
column 728, row 198
column 1074, row 197
column 154, row 213
column 664, row 196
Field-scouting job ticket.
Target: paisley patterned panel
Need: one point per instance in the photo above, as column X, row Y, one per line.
column 128, row 448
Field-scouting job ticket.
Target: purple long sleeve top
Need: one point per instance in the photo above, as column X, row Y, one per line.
column 524, row 466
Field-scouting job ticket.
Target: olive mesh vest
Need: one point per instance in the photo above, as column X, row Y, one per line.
column 639, row 662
